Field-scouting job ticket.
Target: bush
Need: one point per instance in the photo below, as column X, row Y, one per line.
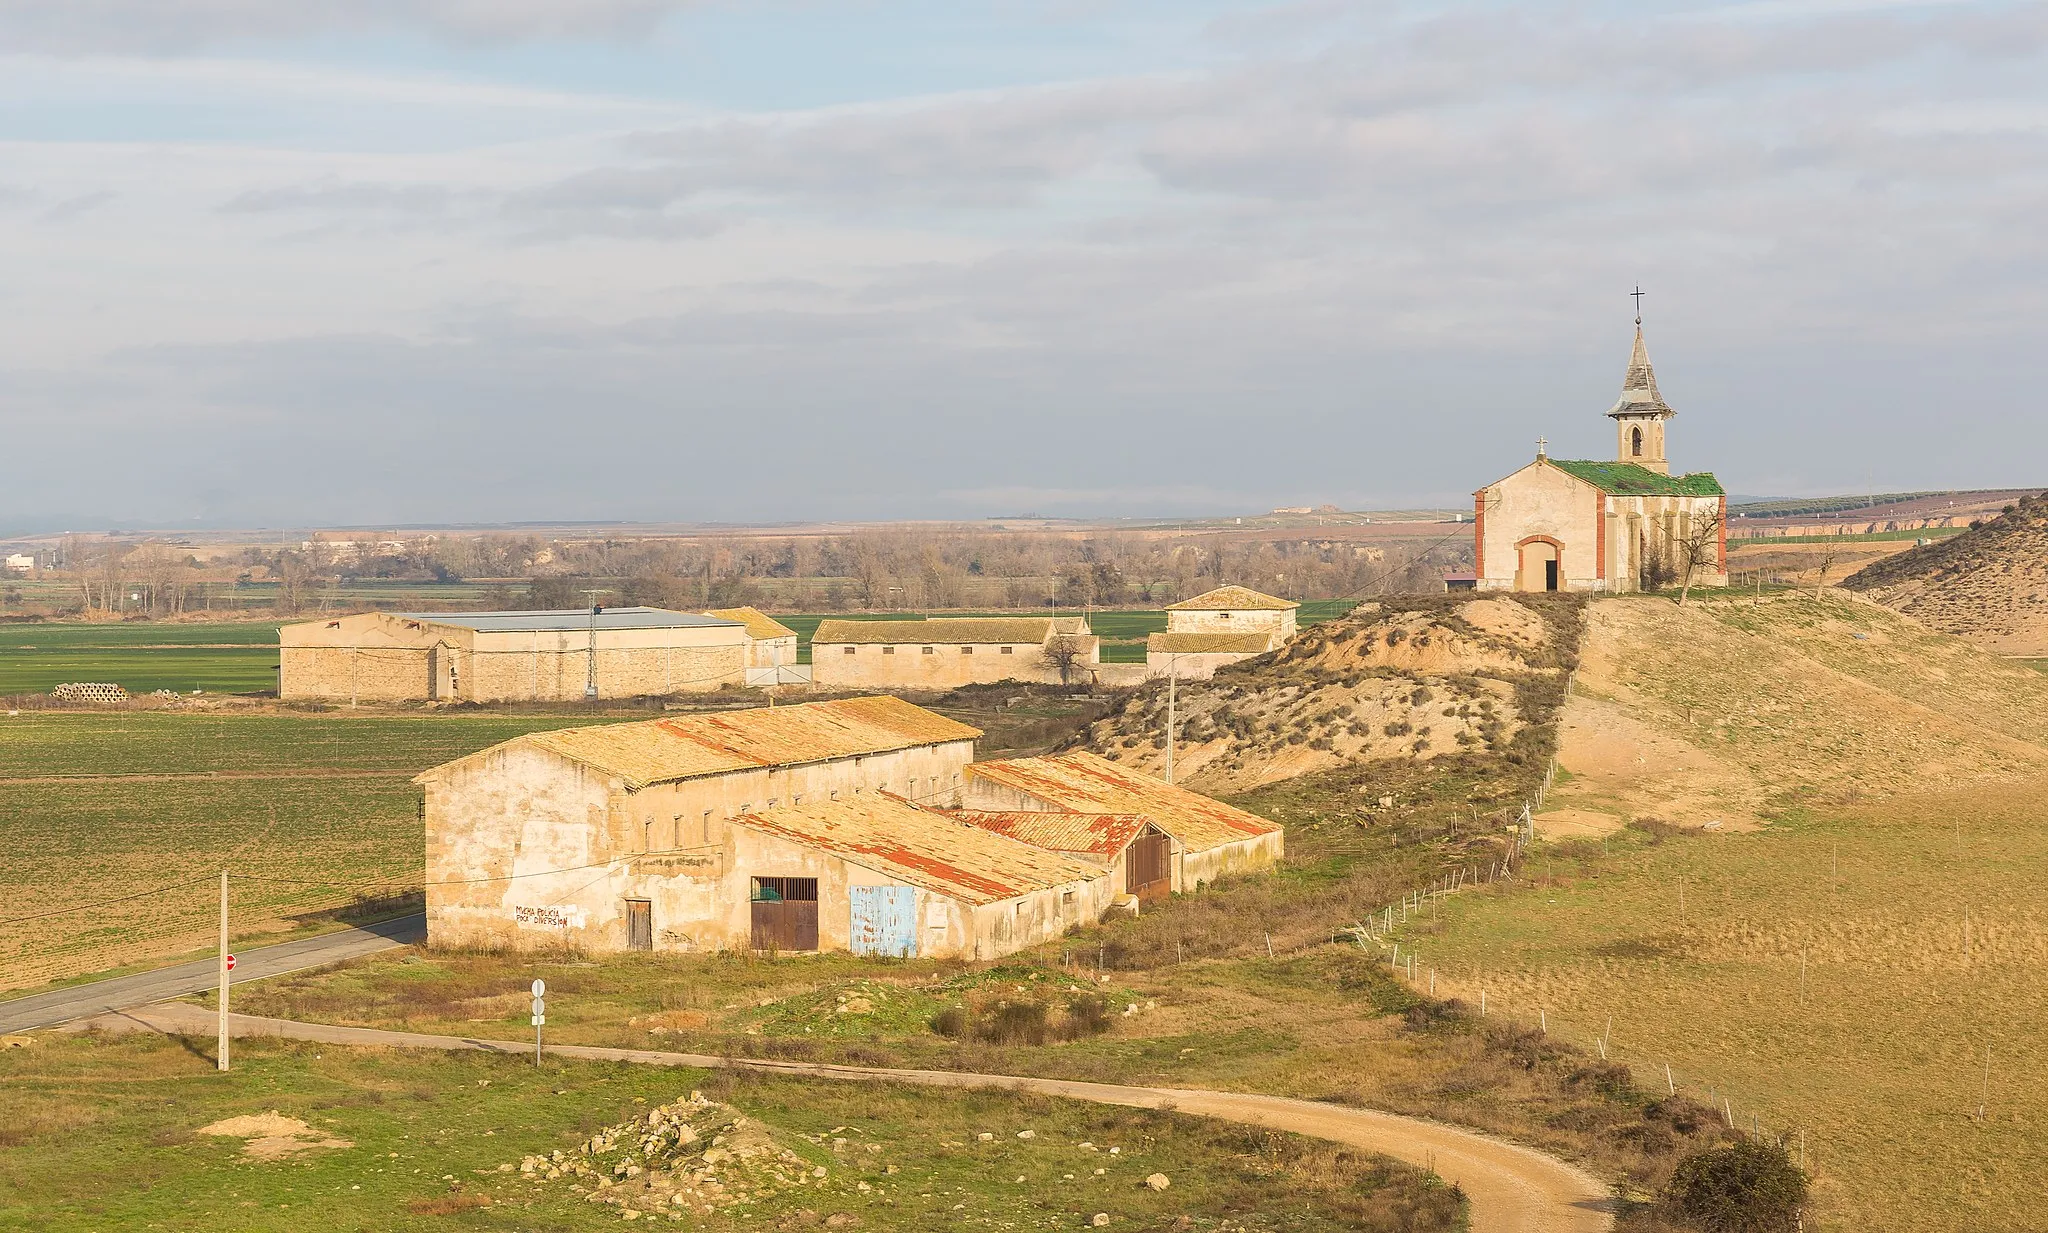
column 1747, row 1187
column 950, row 1022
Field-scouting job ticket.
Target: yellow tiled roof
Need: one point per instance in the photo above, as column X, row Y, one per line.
column 1233, row 599
column 980, row 631
column 1208, row 644
column 687, row 746
column 760, row 626
column 1098, row 835
column 924, row 848
column 1088, row 783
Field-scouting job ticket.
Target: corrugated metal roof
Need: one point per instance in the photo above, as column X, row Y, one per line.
column 1233, row 599
column 924, row 848
column 1088, row 783
column 687, row 746
column 979, row 631
column 555, row 620
column 1099, row 835
column 1208, row 644
column 760, row 626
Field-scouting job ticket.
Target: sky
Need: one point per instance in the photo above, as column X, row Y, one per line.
column 384, row 262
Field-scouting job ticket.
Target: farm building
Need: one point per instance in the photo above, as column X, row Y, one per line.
column 1625, row 525
column 1138, row 855
column 1209, row 838
column 578, row 835
column 770, row 643
column 551, row 656
column 948, row 652
column 1216, row 628
column 878, row 875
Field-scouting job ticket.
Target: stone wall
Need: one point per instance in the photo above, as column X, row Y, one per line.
column 519, row 829
column 944, row 666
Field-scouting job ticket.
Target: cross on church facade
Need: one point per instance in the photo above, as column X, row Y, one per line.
column 1543, row 447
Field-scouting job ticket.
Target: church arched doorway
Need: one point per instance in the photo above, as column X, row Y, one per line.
column 1540, row 563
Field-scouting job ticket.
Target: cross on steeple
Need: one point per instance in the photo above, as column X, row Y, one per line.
column 1543, row 447
column 1637, row 295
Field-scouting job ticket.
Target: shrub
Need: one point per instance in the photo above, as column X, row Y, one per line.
column 1746, row 1187
column 1402, row 728
column 950, row 1022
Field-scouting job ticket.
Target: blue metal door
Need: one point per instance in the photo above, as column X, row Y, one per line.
column 884, row 920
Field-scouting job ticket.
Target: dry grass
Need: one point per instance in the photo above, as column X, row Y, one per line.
column 1842, row 976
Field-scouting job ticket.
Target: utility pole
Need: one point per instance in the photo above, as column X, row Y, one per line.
column 1172, row 678
column 222, row 1051
column 590, row 680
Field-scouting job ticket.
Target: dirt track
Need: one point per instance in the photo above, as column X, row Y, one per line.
column 1512, row 1189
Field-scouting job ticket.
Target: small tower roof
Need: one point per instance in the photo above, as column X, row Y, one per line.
column 1639, row 394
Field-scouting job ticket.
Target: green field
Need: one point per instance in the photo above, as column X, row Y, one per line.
column 239, row 657
column 308, row 811
column 101, row 1134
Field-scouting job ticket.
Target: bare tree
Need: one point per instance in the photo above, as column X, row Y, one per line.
column 1827, row 562
column 296, row 583
column 1063, row 653
column 1697, row 547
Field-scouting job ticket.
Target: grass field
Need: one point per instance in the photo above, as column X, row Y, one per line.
column 101, row 1135
column 106, row 805
column 1842, row 974
column 240, row 657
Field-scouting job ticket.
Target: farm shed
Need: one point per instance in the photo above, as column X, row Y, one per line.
column 877, row 875
column 1214, row 838
column 1140, row 857
column 948, row 652
column 509, row 656
column 1216, row 628
column 567, row 836
column 770, row 643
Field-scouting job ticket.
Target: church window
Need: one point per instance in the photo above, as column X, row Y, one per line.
column 1635, row 442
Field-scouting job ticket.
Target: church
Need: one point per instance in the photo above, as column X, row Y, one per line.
column 1587, row 525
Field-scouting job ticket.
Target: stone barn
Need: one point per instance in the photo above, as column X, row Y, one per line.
column 570, row 837
column 1142, row 859
column 876, row 875
column 1216, row 628
column 1210, row 838
column 509, row 656
column 770, row 643
column 948, row 652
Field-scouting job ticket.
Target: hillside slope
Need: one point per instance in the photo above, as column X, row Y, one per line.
column 1410, row 679
column 1989, row 584
column 1734, row 711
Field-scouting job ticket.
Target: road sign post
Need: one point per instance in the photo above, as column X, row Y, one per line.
column 540, row 1016
column 227, row 964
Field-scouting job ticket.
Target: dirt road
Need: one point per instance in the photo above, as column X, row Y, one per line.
column 140, row 988
column 1512, row 1189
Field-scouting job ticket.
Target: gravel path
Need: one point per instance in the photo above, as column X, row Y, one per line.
column 1512, row 1189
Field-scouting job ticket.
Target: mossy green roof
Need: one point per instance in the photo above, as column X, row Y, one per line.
column 1626, row 479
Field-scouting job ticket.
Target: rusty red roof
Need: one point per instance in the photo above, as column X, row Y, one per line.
column 1102, row 836
column 923, row 847
column 716, row 743
column 1089, row 783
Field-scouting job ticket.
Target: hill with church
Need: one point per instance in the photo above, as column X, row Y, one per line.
column 1989, row 584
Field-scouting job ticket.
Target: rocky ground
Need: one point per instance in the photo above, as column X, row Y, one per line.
column 1989, row 584
column 1411, row 679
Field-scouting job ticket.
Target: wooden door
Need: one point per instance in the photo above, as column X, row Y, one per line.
column 1148, row 867
column 785, row 913
column 639, row 924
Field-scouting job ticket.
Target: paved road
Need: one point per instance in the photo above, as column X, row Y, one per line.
column 121, row 992
column 1512, row 1189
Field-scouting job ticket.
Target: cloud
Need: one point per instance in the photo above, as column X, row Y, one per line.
column 74, row 207
column 184, row 25
column 1369, row 253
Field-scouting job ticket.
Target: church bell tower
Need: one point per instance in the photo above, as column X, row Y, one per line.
column 1640, row 413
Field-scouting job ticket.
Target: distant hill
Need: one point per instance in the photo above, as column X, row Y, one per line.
column 1989, row 584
